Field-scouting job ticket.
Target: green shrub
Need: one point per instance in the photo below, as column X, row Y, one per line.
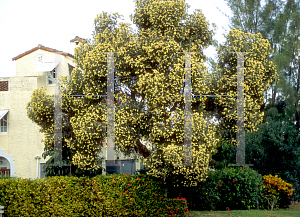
column 200, row 197
column 113, row 195
column 239, row 187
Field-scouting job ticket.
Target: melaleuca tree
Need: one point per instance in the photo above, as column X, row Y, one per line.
column 153, row 108
column 259, row 72
column 41, row 111
column 164, row 29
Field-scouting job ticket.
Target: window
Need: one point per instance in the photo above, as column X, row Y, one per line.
column 39, row 59
column 70, row 70
column 42, row 170
column 3, row 85
column 51, row 78
column 4, row 167
column 3, row 126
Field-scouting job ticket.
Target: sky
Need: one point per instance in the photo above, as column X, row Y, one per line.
column 54, row 23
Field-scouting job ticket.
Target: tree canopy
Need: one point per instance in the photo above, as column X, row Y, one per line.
column 259, row 72
column 152, row 71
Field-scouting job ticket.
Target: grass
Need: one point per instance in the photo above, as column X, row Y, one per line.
column 293, row 211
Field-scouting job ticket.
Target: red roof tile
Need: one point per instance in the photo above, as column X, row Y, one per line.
column 42, row 48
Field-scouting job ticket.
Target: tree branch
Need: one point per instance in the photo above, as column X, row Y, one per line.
column 142, row 149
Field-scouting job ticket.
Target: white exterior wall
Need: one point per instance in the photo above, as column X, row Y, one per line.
column 22, row 142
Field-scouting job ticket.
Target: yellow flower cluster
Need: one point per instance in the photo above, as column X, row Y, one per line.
column 259, row 72
column 274, row 184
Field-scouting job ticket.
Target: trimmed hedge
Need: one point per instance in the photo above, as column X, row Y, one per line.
column 113, row 195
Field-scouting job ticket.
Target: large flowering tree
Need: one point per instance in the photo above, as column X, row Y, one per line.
column 152, row 70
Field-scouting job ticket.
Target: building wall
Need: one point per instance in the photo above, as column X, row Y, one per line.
column 26, row 65
column 22, row 141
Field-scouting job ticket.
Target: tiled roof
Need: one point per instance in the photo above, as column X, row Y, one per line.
column 42, row 48
column 77, row 39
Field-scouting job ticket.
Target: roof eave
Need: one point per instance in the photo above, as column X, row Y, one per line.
column 43, row 48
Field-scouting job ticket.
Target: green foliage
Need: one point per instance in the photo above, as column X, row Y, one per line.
column 226, row 155
column 239, row 187
column 274, row 148
column 196, row 195
column 112, row 195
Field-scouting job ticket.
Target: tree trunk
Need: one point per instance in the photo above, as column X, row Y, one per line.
column 273, row 95
column 296, row 104
column 142, row 149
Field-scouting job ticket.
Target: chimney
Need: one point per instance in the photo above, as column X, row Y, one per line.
column 76, row 40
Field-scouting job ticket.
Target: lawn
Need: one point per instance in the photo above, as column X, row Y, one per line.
column 293, row 211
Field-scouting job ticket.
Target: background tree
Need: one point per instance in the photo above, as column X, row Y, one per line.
column 274, row 149
column 277, row 21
